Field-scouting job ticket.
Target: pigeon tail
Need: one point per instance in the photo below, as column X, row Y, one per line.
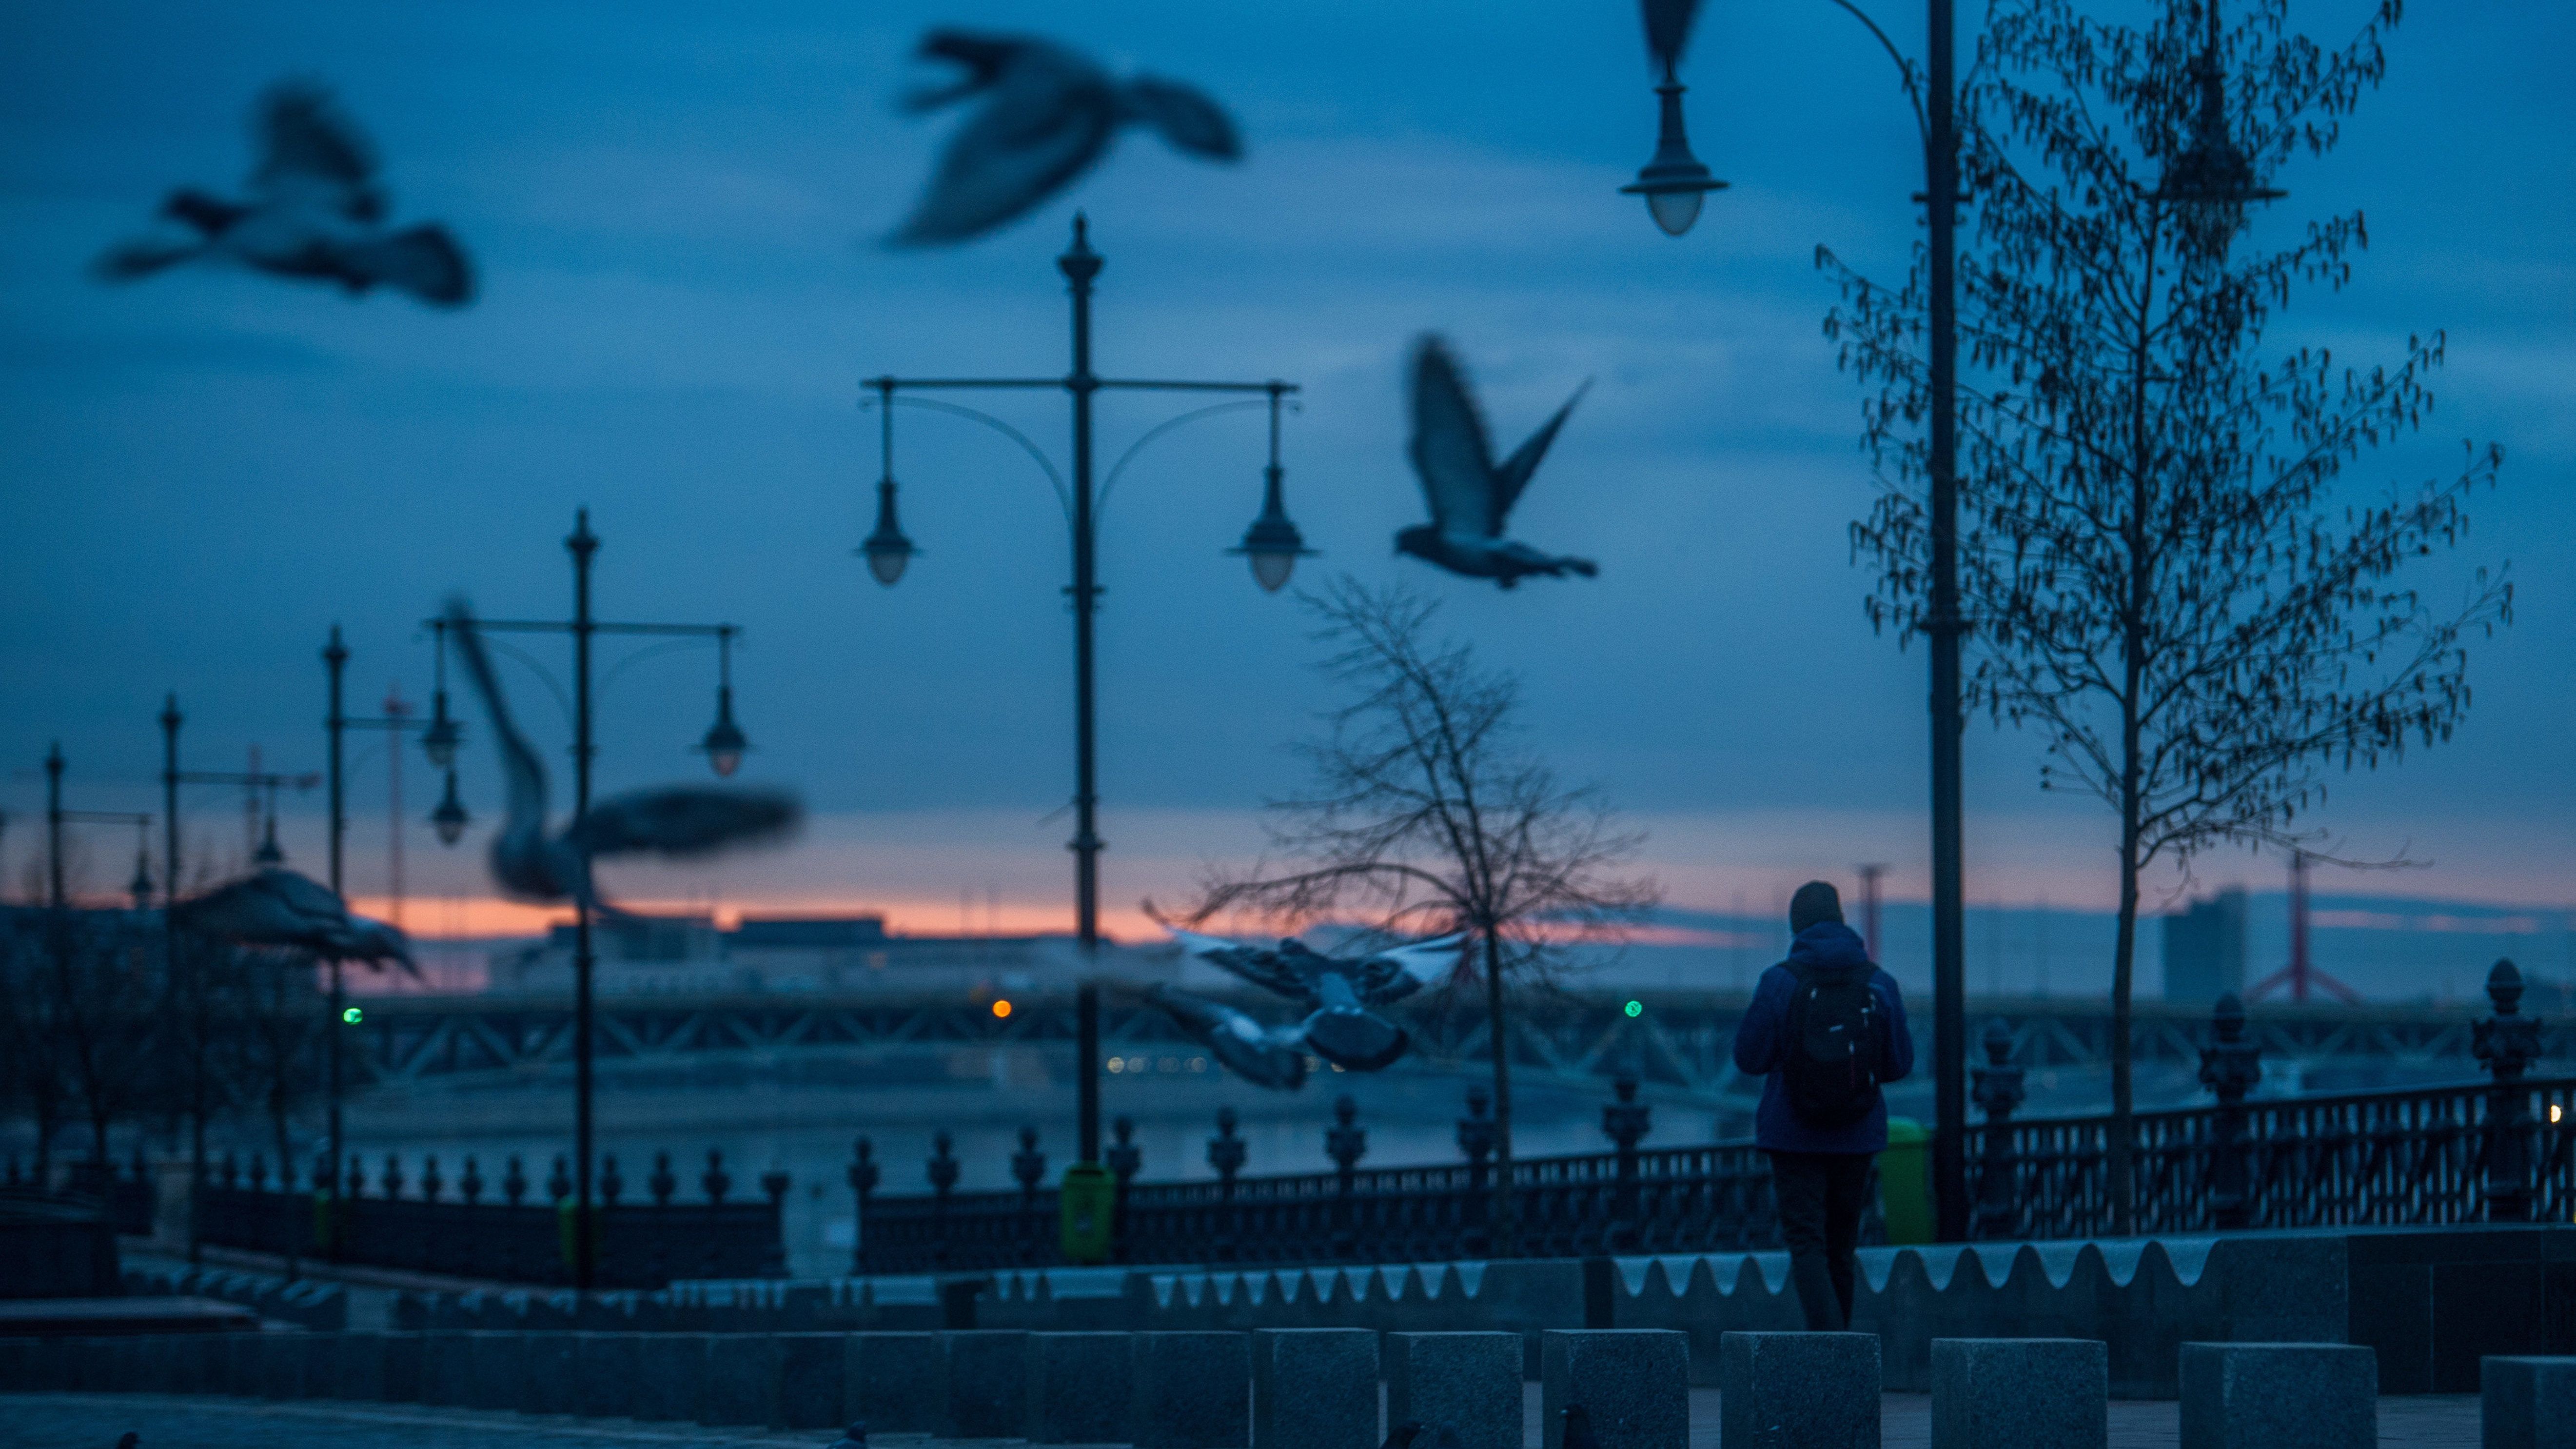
column 422, row 260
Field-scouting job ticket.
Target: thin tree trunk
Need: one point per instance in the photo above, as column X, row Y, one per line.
column 2124, row 958
column 297, row 1215
column 2138, row 538
column 1506, row 1227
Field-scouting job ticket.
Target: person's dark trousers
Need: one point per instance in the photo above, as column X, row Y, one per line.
column 1821, row 1195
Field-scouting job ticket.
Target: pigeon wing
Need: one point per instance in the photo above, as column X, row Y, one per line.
column 1398, row 973
column 129, row 260
column 685, row 821
column 310, row 150
column 1250, row 963
column 1449, row 448
column 424, row 261
column 1186, row 117
column 522, row 776
column 1048, row 117
column 1515, row 473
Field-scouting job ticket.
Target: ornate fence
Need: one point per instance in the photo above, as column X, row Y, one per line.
column 639, row 1245
column 2496, row 1152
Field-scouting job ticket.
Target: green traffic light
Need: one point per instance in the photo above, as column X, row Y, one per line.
column 1636, row 1008
column 353, row 1016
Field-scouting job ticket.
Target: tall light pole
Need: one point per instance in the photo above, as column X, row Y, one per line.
column 2213, row 176
column 335, row 726
column 723, row 746
column 172, row 777
column 1272, row 545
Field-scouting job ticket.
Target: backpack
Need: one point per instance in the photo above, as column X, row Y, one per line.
column 1837, row 1038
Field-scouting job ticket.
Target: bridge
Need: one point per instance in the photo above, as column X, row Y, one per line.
column 1677, row 1042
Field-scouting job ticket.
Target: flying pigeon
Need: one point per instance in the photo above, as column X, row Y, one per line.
column 1339, row 991
column 677, row 821
column 1266, row 1056
column 1048, row 115
column 1470, row 497
column 314, row 210
column 277, row 907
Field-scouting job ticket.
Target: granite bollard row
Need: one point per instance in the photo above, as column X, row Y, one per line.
column 1295, row 1388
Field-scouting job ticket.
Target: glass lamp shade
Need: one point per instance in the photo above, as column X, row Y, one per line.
column 1674, row 183
column 886, row 549
column 1674, row 211
column 724, row 743
column 1272, row 544
column 439, row 741
column 449, row 818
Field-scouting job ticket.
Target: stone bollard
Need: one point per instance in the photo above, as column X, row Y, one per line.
column 1798, row 1390
column 670, row 1373
column 1081, row 1386
column 1634, row 1383
column 321, row 1378
column 2279, row 1396
column 358, row 1366
column 985, row 1378
column 1470, row 1381
column 402, row 1380
column 2527, row 1403
column 810, row 1366
column 281, row 1366
column 500, row 1370
column 741, row 1383
column 552, row 1384
column 604, row 1368
column 2021, row 1393
column 893, row 1381
column 1314, row 1388
column 1193, row 1391
column 446, row 1367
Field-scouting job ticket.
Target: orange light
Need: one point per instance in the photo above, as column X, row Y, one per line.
column 1001, row 1008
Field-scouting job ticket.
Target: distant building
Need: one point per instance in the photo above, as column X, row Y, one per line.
column 691, row 955
column 2205, row 949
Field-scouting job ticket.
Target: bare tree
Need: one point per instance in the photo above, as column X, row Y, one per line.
column 2164, row 583
column 104, row 982
column 31, row 1049
column 267, row 1043
column 1428, row 815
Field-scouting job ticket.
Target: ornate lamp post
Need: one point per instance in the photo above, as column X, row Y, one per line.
column 724, row 744
column 2211, row 173
column 1272, row 545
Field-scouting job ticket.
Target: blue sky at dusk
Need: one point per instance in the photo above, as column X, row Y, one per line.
column 673, row 209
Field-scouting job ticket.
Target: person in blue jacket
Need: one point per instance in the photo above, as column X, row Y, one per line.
column 1826, row 1028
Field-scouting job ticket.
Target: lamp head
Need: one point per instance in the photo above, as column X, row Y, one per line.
column 724, row 742
column 449, row 818
column 886, row 549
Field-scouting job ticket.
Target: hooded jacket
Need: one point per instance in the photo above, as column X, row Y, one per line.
column 1763, row 1039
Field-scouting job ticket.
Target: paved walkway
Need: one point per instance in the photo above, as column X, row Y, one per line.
column 93, row 1421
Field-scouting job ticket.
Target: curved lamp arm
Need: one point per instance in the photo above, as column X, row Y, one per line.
column 1063, row 497
column 1101, row 506
column 1904, row 67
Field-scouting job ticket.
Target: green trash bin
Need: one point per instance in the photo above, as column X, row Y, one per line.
column 1905, row 1182
column 1087, row 1199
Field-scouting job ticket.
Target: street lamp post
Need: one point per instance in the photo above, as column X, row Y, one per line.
column 1272, row 545
column 172, row 777
column 2211, row 176
column 336, row 725
column 723, row 745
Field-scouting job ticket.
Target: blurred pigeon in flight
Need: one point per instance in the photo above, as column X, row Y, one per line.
column 676, row 821
column 277, row 907
column 1266, row 1056
column 1668, row 28
column 314, row 210
column 1340, row 1027
column 1470, row 496
column 1048, row 114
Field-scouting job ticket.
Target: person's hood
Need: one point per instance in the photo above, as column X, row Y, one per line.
column 1830, row 944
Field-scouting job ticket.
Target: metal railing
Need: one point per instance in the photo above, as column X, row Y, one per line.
column 2503, row 1151
column 512, row 1239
